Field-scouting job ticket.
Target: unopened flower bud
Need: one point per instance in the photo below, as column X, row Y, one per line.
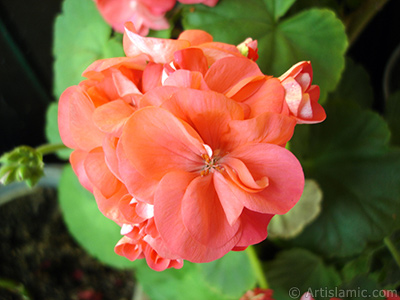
column 21, row 164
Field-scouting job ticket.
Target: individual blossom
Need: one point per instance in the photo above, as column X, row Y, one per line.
column 182, row 143
column 301, row 96
column 144, row 14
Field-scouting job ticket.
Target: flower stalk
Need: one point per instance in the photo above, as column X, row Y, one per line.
column 257, row 268
column 392, row 249
column 50, row 148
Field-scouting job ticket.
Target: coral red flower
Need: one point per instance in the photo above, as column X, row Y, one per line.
column 144, row 14
column 183, row 147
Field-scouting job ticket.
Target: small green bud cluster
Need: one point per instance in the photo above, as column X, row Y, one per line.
column 24, row 163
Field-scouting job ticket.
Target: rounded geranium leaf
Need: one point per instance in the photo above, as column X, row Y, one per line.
column 359, row 174
column 81, row 36
column 315, row 35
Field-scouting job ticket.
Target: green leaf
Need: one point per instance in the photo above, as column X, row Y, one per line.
column 232, row 275
column 316, row 35
column 354, row 86
column 91, row 229
column 51, row 129
column 81, row 36
column 392, row 112
column 277, row 8
column 348, row 155
column 305, row 211
column 225, row 279
column 300, row 269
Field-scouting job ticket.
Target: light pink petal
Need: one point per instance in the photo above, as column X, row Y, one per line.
column 168, row 219
column 227, row 72
column 124, row 85
column 204, row 216
column 111, row 117
column 303, row 66
column 156, row 142
column 317, row 111
column 294, row 94
column 99, row 174
column 158, row 50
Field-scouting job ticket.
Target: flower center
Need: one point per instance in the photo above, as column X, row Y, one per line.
column 210, row 161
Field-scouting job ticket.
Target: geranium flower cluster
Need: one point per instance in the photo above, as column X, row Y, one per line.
column 182, row 143
column 144, row 14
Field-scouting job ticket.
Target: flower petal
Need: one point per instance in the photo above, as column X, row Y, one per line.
column 156, row 142
column 75, row 122
column 140, row 187
column 157, row 96
column 111, row 117
column 227, row 72
column 254, row 226
column 99, row 174
column 191, row 59
column 158, row 50
column 204, row 216
column 168, row 219
column 77, row 159
column 283, row 170
column 186, row 79
column 265, row 128
column 195, row 37
column 151, row 76
column 266, row 95
column 207, row 112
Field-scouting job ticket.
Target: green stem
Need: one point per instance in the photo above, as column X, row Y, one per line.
column 50, row 148
column 257, row 268
column 389, row 244
column 358, row 20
